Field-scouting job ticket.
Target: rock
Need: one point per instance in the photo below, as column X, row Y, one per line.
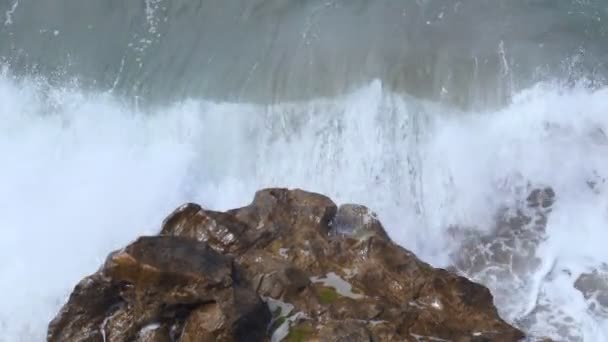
column 594, row 287
column 154, row 333
column 345, row 331
column 325, row 274
column 504, row 257
column 220, row 230
column 92, row 300
column 171, row 270
column 171, row 282
column 357, row 221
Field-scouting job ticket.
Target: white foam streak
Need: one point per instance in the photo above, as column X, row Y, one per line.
column 8, row 15
column 83, row 174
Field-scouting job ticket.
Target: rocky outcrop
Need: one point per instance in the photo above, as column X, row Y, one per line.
column 160, row 289
column 290, row 266
column 504, row 257
column 594, row 287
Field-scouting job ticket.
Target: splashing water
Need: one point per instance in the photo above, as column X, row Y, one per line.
column 84, row 173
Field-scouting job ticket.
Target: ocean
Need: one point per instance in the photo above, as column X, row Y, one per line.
column 435, row 114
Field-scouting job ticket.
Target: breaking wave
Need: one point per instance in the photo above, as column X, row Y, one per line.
column 476, row 130
column 84, row 173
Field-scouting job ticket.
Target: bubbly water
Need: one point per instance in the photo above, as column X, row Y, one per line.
column 91, row 162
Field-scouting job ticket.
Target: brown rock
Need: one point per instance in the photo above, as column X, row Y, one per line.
column 326, row 273
column 172, row 282
column 345, row 331
column 171, row 270
column 221, row 231
column 94, row 298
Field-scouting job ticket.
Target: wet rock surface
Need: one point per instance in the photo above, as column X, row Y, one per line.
column 506, row 254
column 594, row 287
column 505, row 258
column 290, row 266
column 163, row 288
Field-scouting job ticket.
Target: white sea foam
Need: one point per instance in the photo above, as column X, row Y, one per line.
column 83, row 174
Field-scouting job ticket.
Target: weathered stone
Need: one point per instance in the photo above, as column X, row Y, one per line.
column 504, row 257
column 594, row 287
column 327, row 274
column 286, row 280
column 288, row 215
column 172, row 270
column 357, row 221
column 121, row 325
column 154, row 332
column 94, row 298
column 237, row 316
column 221, row 231
column 173, row 280
column 345, row 331
column 354, row 247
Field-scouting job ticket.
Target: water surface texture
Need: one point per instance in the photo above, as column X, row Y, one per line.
column 436, row 114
